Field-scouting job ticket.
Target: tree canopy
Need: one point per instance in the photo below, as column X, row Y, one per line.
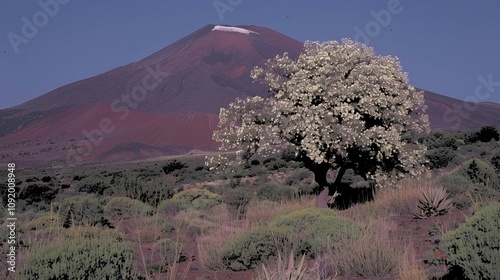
column 338, row 106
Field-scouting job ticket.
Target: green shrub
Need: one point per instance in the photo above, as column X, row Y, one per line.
column 150, row 229
column 140, row 186
column 298, row 177
column 478, row 172
column 46, row 179
column 38, row 193
column 159, row 223
column 306, row 231
column 123, row 207
column 172, row 166
column 268, row 160
column 275, row 164
column 87, row 232
column 473, row 180
column 196, row 198
column 475, row 245
column 488, row 133
column 459, row 142
column 249, row 249
column 170, row 206
column 81, row 259
column 455, row 183
column 42, row 222
column 168, row 250
column 312, row 188
column 97, row 184
column 289, row 154
column 440, row 139
column 352, row 180
column 237, row 201
column 440, row 157
column 313, row 228
column 275, row 192
column 495, row 160
column 82, row 210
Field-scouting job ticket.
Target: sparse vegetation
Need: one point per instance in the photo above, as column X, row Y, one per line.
column 248, row 218
column 305, row 231
column 124, row 207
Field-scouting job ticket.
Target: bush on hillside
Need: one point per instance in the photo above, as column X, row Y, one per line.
column 488, row 133
column 172, row 166
column 276, row 164
column 440, row 139
column 473, row 171
column 495, row 160
column 306, row 231
column 124, row 207
column 298, row 176
column 149, row 190
column 249, row 249
column 82, row 210
column 150, row 229
column 475, row 245
column 237, row 200
column 168, row 250
column 289, row 155
column 312, row 228
column 38, row 192
column 440, row 157
column 275, row 192
column 93, row 184
column 480, row 172
column 81, row 259
column 196, row 198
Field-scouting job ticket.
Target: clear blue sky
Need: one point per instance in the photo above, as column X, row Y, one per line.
column 445, row 46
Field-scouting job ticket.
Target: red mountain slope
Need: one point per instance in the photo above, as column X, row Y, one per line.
column 166, row 103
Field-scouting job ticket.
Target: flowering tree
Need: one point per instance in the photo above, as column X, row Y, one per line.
column 338, row 106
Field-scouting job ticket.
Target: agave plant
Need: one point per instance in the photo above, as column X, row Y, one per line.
column 433, row 202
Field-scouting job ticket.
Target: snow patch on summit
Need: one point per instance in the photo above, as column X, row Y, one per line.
column 233, row 29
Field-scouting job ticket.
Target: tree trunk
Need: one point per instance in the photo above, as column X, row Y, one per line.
column 326, row 189
column 332, row 188
column 320, row 171
column 322, row 199
column 320, row 176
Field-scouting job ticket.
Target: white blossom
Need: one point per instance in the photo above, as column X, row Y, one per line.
column 336, row 101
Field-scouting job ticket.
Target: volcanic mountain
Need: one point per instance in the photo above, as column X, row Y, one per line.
column 168, row 102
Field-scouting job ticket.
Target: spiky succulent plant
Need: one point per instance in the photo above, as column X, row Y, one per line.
column 433, row 202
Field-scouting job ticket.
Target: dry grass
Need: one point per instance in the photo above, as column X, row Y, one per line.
column 377, row 253
column 409, row 268
column 389, row 202
column 290, row 270
column 210, row 245
column 222, row 228
column 374, row 254
column 261, row 212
